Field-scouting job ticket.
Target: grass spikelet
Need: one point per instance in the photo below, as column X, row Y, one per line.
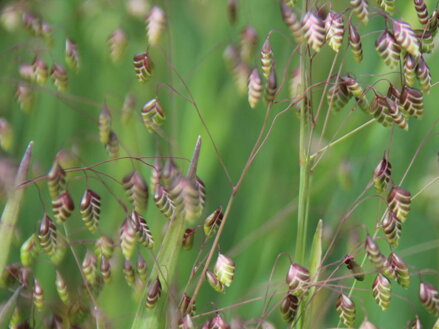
column 354, row 267
column 62, row 289
column 392, row 227
column 128, row 273
column 128, row 108
column 387, row 5
column 291, row 20
column 416, row 323
column 382, row 291
column 143, row 66
column 388, row 49
column 155, row 25
column 218, row 323
column 396, row 114
column 137, row 191
column 382, row 175
column 63, row 207
column 142, row 268
column 429, row 297
column 25, row 96
column 271, row 87
column 334, row 30
column 90, row 209
column 143, row 233
column 289, row 307
column 426, row 39
column 224, row 270
column 153, row 115
column 266, row 58
column 186, row 322
column 424, row 75
column 409, row 69
column 40, row 70
column 297, row 279
column 338, row 96
column 154, row 293
column 213, row 281
column 59, row 76
column 38, row 296
column 361, row 10
column 183, row 306
column 406, row 37
column 56, row 180
column 112, row 146
column 29, row 250
column 313, row 31
column 254, row 88
column 164, row 202
column 127, row 236
column 104, row 247
column 212, row 222
column 355, row 43
column 249, row 42
column 401, row 270
column 421, row 11
column 89, row 268
column 6, row 135
column 399, row 200
column 105, row 268
column 47, row 235
column 232, row 10
column 117, row 42
column 104, row 125
column 72, row 55
column 412, row 101
column 188, row 238
column 346, row 310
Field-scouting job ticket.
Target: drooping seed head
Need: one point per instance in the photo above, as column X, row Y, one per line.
column 90, row 209
column 355, row 43
column 47, row 235
column 421, row 11
column 338, row 96
column 155, row 25
column 396, row 114
column 25, row 96
column 361, row 10
column 62, row 289
column 128, row 106
column 128, row 273
column 143, row 66
column 89, row 268
column 154, row 293
column 266, row 58
column 127, row 236
column 164, row 202
column 72, row 55
column 224, row 270
column 271, row 87
column 153, row 115
column 142, row 268
column 56, row 180
column 382, row 175
column 426, row 40
column 382, row 291
column 375, row 256
column 424, row 75
column 401, row 270
column 354, row 267
column 429, row 297
column 289, row 307
column 143, row 233
column 399, row 200
column 117, row 42
column 104, row 124
column 254, row 88
column 112, row 146
column 346, row 310
column 409, row 69
column 188, row 197
column 104, row 246
column 291, row 20
column 298, row 279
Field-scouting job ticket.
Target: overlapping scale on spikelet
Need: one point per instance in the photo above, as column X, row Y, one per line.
column 291, row 20
column 213, row 281
column 415, row 324
column 62, row 289
column 89, row 268
column 104, row 247
column 355, row 90
column 63, row 207
column 289, row 307
column 346, row 310
column 59, row 77
column 375, row 256
column 354, row 267
column 164, row 202
column 128, row 273
column 143, row 233
column 183, row 306
column 406, row 37
column 154, row 293
column 56, row 180
column 117, row 42
column 334, row 27
column 186, row 322
column 424, row 75
column 218, row 323
column 47, row 236
column 388, row 49
column 153, row 115
column 40, row 70
column 90, row 209
column 396, row 114
column 429, row 297
column 361, row 10
column 254, row 88
column 155, row 25
column 137, row 191
column 382, row 175
column 380, row 110
column 298, row 279
column 104, row 125
column 382, row 291
column 392, row 227
column 72, row 55
column 421, row 11
column 271, row 87
column 29, row 250
column 355, row 43
column 399, row 200
column 266, row 58
column 411, row 100
column 188, row 197
column 338, row 96
column 143, row 66
column 105, row 268
column 127, row 237
column 38, row 295
column 401, row 270
column 142, row 268
column 212, row 222
column 387, row 5
column 426, row 40
column 313, row 29
column 409, row 69
column 224, row 270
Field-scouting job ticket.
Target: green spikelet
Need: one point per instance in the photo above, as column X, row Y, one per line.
column 396, row 114
column 382, row 291
column 429, row 297
column 90, row 209
column 411, row 100
column 38, row 296
column 105, row 268
column 188, row 239
column 72, row 55
column 6, row 135
column 142, row 269
column 334, row 30
column 47, row 235
column 354, row 267
column 104, row 125
column 346, row 310
column 128, row 273
column 392, row 227
column 143, row 66
column 127, row 236
column 25, row 96
column 355, row 43
column 63, row 207
column 387, row 5
column 62, row 290
column 56, row 180
column 288, row 308
column 212, row 222
column 406, row 37
column 401, row 270
column 388, row 49
column 249, row 40
column 60, row 251
column 426, row 39
column 186, row 196
column 409, row 69
column 16, row 319
column 155, row 25
column 153, row 115
column 154, row 293
column 40, row 71
column 59, row 77
column 224, row 270
column 143, row 233
column 89, row 268
column 377, row 258
column 137, row 191
column 360, row 9
column 380, row 110
column 214, row 282
column 416, row 323
column 164, row 202
column 338, row 96
column 104, row 246
column 382, row 175
column 424, row 75
column 29, row 250
column 266, row 58
column 399, row 200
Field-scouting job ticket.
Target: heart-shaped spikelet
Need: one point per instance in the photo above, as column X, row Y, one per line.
column 382, row 291
column 137, row 191
column 346, row 310
column 399, row 200
column 298, row 279
column 90, row 209
column 143, row 66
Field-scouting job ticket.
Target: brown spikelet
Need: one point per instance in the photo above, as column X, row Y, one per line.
column 153, row 115
column 112, row 146
column 249, row 41
column 291, row 20
column 164, row 202
column 143, row 66
column 90, row 209
column 354, row 267
column 254, row 88
column 382, row 175
column 40, row 70
column 298, row 279
column 353, row 86
column 338, row 96
column 409, row 69
column 433, row 22
column 63, row 207
column 72, row 55
column 346, row 310
column 392, row 227
column 396, row 114
column 56, row 180
column 411, row 100
column 155, row 25
column 406, row 37
column 266, row 58
column 212, row 222
column 360, row 9
column 117, row 42
column 377, row 258
column 104, row 125
column 154, row 293
column 47, row 236
column 388, row 49
column 424, row 75
column 426, row 39
column 137, row 191
column 59, row 77
column 334, row 30
column 355, row 43
column 271, row 87
column 421, row 11
column 289, row 307
column 429, row 297
column 143, row 233
column 401, row 270
column 313, row 31
column 183, row 306
column 188, row 238
column 232, row 9
column 399, row 200
column 382, row 291
column 380, row 110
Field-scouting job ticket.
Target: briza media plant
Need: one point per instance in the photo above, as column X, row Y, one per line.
column 110, row 222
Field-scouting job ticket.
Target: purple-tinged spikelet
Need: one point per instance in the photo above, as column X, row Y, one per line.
column 421, row 11
column 104, row 124
column 254, row 88
column 382, row 291
column 291, row 20
column 6, row 135
column 59, row 76
column 355, row 43
column 142, row 268
column 387, row 5
column 183, row 306
column 354, row 267
column 360, row 9
column 289, row 307
column 40, row 70
column 155, row 25
column 271, row 87
column 38, row 295
column 89, row 268
column 401, row 270
column 415, row 324
column 266, row 58
column 128, row 273
column 429, row 297
column 409, row 69
column 392, row 227
column 224, row 270
column 47, row 236
column 154, row 292
column 249, row 41
column 104, row 247
column 378, row 259
column 90, row 209
column 137, row 191
column 25, row 96
column 399, row 200
column 218, row 323
column 29, row 250
column 32, row 23
column 424, row 75
column 153, row 115
column 396, row 114
column 298, row 279
column 128, row 108
column 388, row 49
column 112, row 146
column 186, row 322
column 406, row 37
column 164, row 202
column 56, row 180
column 380, row 110
column 212, row 222
column 105, row 269
column 382, row 175
column 411, row 100
column 63, row 207
column 72, row 55
column 143, row 233
column 338, row 96
column 143, row 66
column 213, row 281
column 117, row 42
column 346, row 310
column 313, row 29
column 334, row 27
column 127, row 236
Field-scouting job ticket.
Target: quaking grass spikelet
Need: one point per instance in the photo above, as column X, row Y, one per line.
column 224, row 270
column 186, row 322
column 399, row 200
column 219, row 323
column 62, row 289
column 298, row 279
column 6, row 135
column 421, row 11
column 105, row 268
column 397, row 115
column 426, row 40
column 254, row 88
column 47, row 236
column 271, row 87
column 59, row 77
column 112, row 146
column 153, row 115
column 89, row 268
column 313, row 31
column 38, row 296
column 367, row 325
column 90, row 209
column 266, row 58
column 142, row 268
column 416, row 323
column 388, row 49
column 137, row 191
column 187, row 197
column 104, row 125
column 29, row 250
column 354, row 267
column 213, row 281
column 401, row 270
column 291, row 20
column 387, row 5
column 117, row 42
column 382, row 291
column 127, row 236
column 40, row 70
column 232, row 9
column 63, row 207
column 355, row 43
column 378, row 259
column 411, row 100
column 164, row 202
column 361, row 10
column 409, row 69
column 128, row 273
column 392, row 227
column 72, row 55
column 424, row 75
column 25, row 96
column 346, row 310
column 406, row 37
column 289, row 307
column 154, row 293
column 249, row 41
column 183, row 306
column 212, row 222
column 338, row 96
column 143, row 66
column 56, row 180
column 155, row 25
column 429, row 297
column 104, row 246
column 143, row 233
column 382, row 175
column 188, row 239
column 334, row 27
column 128, row 108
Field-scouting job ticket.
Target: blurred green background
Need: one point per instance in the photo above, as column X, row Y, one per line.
column 262, row 225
